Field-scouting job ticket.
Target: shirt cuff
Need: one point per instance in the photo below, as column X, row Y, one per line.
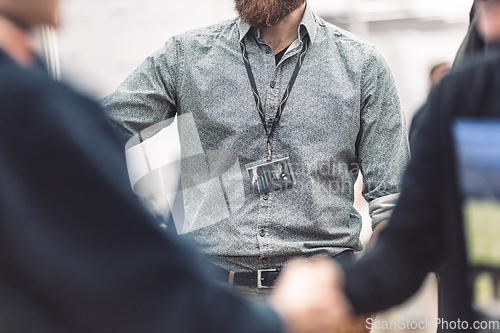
column 381, row 208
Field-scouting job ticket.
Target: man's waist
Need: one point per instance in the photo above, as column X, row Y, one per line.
column 261, row 278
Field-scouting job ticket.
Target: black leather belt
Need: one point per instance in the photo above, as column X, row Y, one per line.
column 262, row 278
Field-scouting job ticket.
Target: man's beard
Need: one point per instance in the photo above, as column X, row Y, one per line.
column 265, row 13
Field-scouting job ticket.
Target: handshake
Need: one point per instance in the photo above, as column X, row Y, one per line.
column 309, row 297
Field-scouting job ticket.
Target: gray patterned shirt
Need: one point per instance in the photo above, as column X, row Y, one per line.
column 342, row 117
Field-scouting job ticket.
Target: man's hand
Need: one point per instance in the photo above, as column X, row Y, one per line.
column 309, row 297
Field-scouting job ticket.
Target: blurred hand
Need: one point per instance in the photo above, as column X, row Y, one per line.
column 309, row 297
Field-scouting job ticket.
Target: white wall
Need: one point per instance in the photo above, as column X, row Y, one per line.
column 102, row 41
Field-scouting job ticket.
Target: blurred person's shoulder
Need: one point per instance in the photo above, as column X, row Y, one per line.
column 481, row 65
column 17, row 80
column 22, row 88
column 474, row 75
column 30, row 93
column 15, row 77
column 470, row 89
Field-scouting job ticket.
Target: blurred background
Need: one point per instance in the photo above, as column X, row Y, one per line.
column 102, row 41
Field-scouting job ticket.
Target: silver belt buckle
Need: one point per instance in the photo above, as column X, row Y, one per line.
column 260, row 278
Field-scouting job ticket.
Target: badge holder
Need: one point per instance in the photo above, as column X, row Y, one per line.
column 271, row 176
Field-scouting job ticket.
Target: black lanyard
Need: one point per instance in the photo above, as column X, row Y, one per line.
column 270, row 132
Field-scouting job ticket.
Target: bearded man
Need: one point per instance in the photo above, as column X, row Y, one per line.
column 278, row 111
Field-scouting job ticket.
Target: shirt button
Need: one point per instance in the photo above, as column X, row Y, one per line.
column 268, row 50
column 266, row 197
column 273, row 85
column 270, row 122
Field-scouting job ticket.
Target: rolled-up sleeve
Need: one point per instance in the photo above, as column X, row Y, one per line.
column 381, row 209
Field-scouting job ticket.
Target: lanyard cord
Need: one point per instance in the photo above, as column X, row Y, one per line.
column 270, row 132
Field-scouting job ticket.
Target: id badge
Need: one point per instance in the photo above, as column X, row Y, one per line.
column 271, row 176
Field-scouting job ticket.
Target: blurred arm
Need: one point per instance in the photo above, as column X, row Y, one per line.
column 410, row 245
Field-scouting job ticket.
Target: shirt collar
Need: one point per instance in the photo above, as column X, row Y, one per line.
column 307, row 25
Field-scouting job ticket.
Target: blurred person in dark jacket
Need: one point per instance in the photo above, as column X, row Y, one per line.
column 473, row 47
